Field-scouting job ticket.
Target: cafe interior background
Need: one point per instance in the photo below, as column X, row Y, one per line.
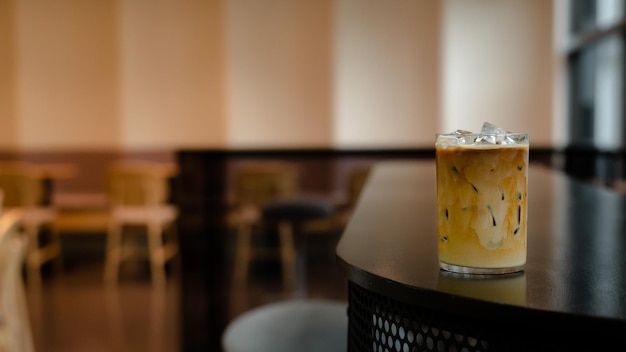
column 86, row 82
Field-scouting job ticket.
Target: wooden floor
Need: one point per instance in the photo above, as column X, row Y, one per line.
column 74, row 313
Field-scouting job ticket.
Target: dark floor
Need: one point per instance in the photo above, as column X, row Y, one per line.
column 74, row 313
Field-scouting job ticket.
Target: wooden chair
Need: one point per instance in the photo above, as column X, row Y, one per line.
column 138, row 195
column 257, row 184
column 354, row 186
column 15, row 329
column 23, row 188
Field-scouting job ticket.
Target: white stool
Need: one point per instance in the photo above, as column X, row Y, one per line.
column 303, row 325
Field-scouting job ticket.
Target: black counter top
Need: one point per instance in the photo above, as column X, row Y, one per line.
column 574, row 279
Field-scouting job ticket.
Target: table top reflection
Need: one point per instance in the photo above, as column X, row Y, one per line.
column 576, row 266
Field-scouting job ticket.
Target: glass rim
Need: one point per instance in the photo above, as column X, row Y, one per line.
column 452, row 134
column 479, row 140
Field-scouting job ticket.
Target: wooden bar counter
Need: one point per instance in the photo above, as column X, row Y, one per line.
column 572, row 293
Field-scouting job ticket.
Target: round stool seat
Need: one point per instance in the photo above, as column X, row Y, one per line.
column 302, row 325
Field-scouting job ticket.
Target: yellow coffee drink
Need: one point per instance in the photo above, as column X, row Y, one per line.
column 482, row 204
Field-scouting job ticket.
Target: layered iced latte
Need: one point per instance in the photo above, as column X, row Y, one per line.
column 482, row 201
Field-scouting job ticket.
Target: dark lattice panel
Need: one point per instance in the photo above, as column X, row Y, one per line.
column 381, row 324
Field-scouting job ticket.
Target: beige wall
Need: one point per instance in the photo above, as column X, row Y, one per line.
column 172, row 74
column 270, row 73
column 498, row 66
column 387, row 63
column 8, row 115
column 67, row 74
column 280, row 71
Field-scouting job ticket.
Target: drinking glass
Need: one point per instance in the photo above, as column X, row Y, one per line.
column 482, row 183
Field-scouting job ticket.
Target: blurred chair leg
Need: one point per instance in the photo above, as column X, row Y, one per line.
column 175, row 247
column 242, row 253
column 157, row 254
column 113, row 254
column 38, row 255
column 33, row 261
column 57, row 248
column 287, row 254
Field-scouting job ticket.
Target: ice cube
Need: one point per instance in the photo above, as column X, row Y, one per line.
column 492, row 134
column 463, row 137
column 508, row 140
column 486, row 139
column 489, row 128
column 449, row 140
column 462, row 132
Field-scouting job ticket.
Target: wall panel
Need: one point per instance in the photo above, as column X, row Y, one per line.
column 67, row 74
column 279, row 73
column 386, row 82
column 172, row 74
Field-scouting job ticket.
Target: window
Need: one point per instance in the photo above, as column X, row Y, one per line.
column 596, row 121
column 596, row 74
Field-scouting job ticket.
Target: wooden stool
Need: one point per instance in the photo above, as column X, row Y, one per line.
column 257, row 184
column 289, row 216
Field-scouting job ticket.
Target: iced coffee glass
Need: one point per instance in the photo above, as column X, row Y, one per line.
column 482, row 201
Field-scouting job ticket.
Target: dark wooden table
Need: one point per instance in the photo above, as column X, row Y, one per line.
column 572, row 292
